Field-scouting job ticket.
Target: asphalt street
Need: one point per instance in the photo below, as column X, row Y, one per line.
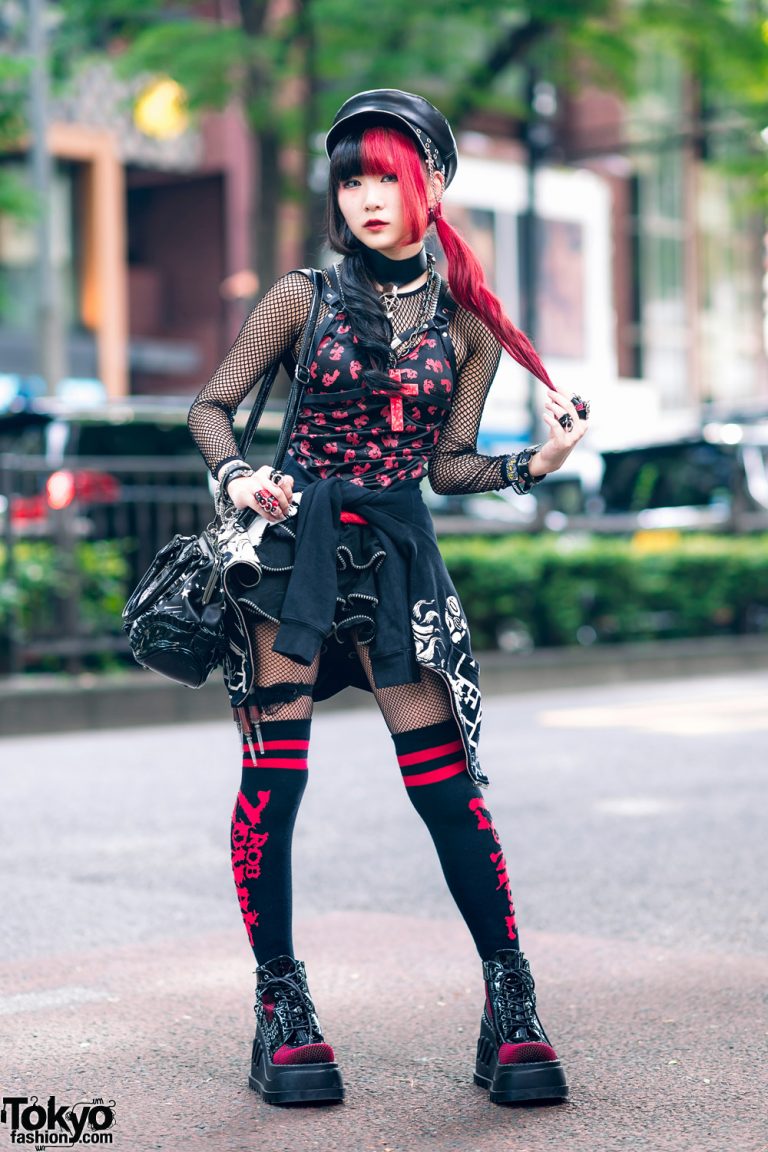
column 630, row 816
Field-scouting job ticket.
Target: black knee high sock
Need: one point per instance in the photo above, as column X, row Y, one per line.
column 433, row 765
column 262, row 831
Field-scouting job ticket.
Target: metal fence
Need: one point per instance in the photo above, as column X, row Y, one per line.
column 137, row 503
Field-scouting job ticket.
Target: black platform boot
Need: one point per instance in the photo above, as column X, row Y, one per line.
column 514, row 1057
column 290, row 1063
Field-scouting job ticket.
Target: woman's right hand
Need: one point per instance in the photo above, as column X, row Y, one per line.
column 243, row 491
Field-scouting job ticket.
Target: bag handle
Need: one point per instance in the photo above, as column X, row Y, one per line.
column 301, row 371
column 300, row 378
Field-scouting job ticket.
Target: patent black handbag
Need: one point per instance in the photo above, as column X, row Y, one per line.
column 175, row 617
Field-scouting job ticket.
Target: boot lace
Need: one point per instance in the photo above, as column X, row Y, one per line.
column 516, row 1002
column 293, row 1005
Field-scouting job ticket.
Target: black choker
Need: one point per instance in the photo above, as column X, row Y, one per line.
column 386, row 271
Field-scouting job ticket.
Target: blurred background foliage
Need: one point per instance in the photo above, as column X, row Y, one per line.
column 460, row 52
column 522, row 592
column 292, row 64
column 14, row 197
column 519, row 592
column 30, row 602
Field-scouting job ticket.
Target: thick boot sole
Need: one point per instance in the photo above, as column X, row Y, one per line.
column 516, row 1083
column 295, row 1083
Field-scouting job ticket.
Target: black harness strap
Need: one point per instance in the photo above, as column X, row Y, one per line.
column 446, row 308
column 299, row 373
column 331, row 296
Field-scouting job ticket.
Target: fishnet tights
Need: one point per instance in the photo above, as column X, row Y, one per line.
column 275, row 669
column 404, row 707
column 275, row 328
column 408, row 706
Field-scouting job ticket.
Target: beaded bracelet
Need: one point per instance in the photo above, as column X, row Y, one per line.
column 517, row 472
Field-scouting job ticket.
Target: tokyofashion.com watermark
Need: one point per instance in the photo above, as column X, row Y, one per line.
column 46, row 1123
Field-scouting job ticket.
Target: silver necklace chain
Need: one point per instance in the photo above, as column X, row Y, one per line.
column 431, row 296
column 430, row 300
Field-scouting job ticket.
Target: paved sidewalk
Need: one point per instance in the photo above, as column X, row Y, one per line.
column 661, row 1047
column 630, row 815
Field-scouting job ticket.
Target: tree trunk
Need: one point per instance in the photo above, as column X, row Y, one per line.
column 266, row 177
column 509, row 50
column 267, row 216
column 312, row 202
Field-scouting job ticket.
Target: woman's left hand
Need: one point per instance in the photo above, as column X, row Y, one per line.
column 562, row 440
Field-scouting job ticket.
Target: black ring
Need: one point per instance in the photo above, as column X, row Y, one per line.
column 566, row 421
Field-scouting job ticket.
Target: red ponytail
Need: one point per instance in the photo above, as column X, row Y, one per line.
column 469, row 288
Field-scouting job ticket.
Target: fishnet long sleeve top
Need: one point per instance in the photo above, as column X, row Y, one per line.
column 276, row 326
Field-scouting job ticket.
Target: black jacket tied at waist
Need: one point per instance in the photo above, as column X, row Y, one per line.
column 419, row 620
column 400, row 519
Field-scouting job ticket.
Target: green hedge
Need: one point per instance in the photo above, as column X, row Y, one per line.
column 516, row 590
column 100, row 575
column 547, row 591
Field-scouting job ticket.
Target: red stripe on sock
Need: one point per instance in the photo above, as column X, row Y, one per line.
column 435, row 775
column 275, row 762
column 429, row 754
column 285, row 745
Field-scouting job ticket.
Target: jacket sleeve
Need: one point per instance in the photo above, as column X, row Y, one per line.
column 273, row 328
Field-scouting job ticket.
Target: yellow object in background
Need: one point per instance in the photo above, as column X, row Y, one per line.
column 161, row 109
column 656, row 540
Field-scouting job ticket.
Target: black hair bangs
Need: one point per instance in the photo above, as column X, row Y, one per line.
column 347, row 160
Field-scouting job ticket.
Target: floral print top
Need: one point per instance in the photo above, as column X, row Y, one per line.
column 440, row 420
column 370, row 436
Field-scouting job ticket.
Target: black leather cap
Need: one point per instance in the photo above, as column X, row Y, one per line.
column 405, row 111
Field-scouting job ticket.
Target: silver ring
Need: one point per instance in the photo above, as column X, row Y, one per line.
column 581, row 406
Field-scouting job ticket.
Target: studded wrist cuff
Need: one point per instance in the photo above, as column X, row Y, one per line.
column 517, row 472
column 229, row 468
column 236, row 474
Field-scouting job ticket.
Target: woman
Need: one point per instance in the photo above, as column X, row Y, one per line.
column 354, row 589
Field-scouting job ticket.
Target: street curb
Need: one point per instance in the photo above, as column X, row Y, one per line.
column 607, row 664
column 31, row 705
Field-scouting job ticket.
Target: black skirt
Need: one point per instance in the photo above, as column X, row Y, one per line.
column 359, row 556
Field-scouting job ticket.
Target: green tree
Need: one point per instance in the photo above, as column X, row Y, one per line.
column 14, row 196
column 293, row 64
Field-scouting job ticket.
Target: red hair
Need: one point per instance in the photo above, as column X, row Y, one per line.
column 384, row 151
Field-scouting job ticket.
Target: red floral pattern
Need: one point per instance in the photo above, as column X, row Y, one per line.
column 371, row 439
